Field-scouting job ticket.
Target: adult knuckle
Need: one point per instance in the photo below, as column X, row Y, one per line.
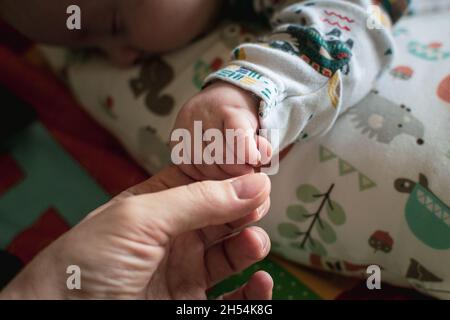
column 209, row 195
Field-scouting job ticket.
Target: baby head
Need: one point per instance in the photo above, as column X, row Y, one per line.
column 124, row 29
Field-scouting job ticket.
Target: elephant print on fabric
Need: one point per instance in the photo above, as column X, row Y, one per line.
column 384, row 120
column 154, row 76
column 428, row 217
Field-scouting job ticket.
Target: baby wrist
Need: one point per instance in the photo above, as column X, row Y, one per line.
column 261, row 87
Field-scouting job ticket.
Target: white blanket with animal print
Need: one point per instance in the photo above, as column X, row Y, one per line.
column 374, row 190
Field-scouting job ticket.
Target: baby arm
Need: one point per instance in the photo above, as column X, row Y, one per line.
column 321, row 58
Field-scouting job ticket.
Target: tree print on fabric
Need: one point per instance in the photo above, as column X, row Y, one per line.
column 317, row 228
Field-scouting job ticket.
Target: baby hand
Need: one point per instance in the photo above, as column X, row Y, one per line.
column 233, row 111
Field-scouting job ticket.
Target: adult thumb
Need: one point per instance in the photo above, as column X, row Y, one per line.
column 203, row 204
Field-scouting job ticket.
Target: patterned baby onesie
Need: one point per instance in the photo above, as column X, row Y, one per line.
column 321, row 58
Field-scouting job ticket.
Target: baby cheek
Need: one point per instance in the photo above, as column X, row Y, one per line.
column 160, row 26
column 152, row 36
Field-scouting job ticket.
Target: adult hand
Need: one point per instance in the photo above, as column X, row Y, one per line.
column 167, row 238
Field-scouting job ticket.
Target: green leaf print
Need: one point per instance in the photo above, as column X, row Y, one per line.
column 326, row 232
column 317, row 229
column 308, row 193
column 289, row 230
column 298, row 213
column 316, row 247
column 336, row 213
